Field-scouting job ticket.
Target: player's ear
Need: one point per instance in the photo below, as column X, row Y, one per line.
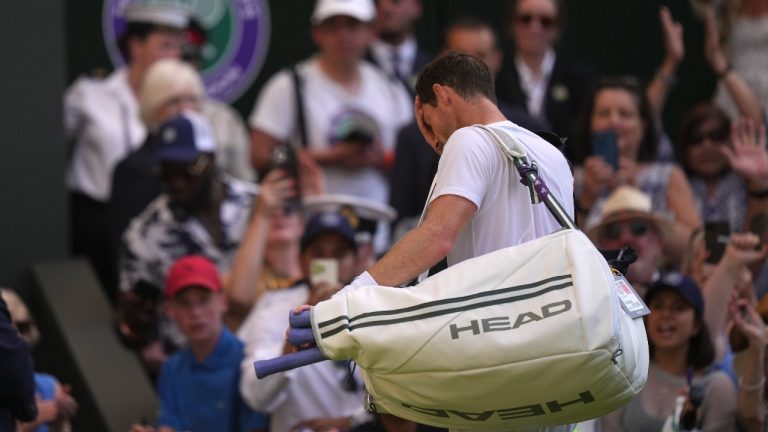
column 442, row 95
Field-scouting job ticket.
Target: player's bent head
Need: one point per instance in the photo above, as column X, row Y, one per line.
column 467, row 75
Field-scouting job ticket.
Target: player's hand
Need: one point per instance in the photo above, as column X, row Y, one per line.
column 424, row 127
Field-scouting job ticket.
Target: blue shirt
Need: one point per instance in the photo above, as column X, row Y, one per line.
column 45, row 387
column 204, row 396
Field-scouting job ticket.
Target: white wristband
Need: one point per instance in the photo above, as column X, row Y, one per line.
column 359, row 418
column 362, row 280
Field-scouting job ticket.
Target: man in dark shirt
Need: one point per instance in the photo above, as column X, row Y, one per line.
column 17, row 385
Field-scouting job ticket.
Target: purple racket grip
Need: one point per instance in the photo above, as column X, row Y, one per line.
column 300, row 320
column 286, row 362
column 301, row 336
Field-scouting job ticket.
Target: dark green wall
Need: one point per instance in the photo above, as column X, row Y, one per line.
column 32, row 200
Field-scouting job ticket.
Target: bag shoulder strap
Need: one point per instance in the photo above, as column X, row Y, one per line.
column 529, row 174
column 298, row 89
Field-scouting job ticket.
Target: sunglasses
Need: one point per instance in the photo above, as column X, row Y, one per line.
column 24, row 327
column 545, row 21
column 715, row 135
column 614, row 230
column 170, row 171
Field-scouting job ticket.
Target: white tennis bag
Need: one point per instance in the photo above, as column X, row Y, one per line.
column 529, row 336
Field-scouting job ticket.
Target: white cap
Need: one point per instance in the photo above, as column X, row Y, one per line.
column 167, row 79
column 363, row 214
column 161, row 13
column 361, row 10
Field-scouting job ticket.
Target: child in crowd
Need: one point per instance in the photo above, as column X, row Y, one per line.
column 198, row 385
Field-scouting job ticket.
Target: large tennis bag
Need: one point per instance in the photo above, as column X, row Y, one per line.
column 528, row 336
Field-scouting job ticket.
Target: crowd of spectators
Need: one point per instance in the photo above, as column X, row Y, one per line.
column 203, row 263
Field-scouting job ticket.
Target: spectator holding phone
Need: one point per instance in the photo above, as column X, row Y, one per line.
column 726, row 278
column 324, row 395
column 621, row 106
column 268, row 258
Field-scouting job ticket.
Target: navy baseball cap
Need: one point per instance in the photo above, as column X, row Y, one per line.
column 183, row 138
column 683, row 285
column 328, row 222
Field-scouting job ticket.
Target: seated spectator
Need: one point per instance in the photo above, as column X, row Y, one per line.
column 201, row 213
column 55, row 406
column 198, row 385
column 322, row 396
column 628, row 220
column 620, row 106
column 682, row 392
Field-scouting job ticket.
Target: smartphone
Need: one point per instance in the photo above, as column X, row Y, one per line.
column 284, row 158
column 605, row 144
column 324, row 270
column 716, row 236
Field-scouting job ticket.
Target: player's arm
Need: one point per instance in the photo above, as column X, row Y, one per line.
column 423, row 247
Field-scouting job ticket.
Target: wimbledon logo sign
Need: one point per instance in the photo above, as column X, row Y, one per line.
column 238, row 38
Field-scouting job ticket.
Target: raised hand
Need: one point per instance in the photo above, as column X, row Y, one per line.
column 747, row 154
column 312, row 179
column 747, row 321
column 276, row 189
column 742, row 250
column 598, row 178
column 713, row 51
column 674, row 47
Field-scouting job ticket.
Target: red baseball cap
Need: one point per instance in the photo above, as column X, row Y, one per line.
column 192, row 270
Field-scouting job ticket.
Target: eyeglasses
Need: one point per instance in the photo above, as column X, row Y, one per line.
column 545, row 21
column 717, row 135
column 637, row 227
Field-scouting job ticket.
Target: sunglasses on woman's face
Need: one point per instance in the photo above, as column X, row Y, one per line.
column 545, row 21
column 614, row 230
column 714, row 135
